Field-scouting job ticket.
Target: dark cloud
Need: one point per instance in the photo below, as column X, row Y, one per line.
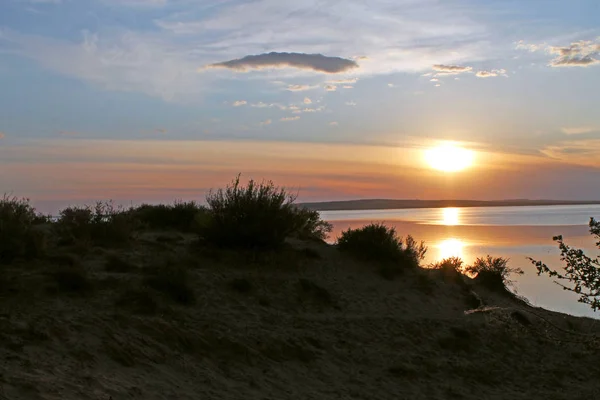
column 314, row 62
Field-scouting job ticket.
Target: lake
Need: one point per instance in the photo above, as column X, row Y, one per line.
column 512, row 232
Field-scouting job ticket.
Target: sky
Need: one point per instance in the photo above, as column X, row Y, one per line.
column 155, row 100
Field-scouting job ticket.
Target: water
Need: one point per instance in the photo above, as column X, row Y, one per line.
column 512, row 232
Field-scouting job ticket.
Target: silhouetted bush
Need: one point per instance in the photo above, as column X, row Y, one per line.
column 451, row 268
column 256, row 216
column 379, row 243
column 581, row 272
column 493, row 272
column 18, row 234
column 179, row 216
column 102, row 224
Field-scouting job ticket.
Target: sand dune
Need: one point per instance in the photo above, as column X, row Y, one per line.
column 306, row 323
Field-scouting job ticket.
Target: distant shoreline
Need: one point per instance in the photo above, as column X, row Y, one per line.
column 383, row 204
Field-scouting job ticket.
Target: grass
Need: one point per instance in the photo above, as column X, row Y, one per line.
column 241, row 285
column 381, row 244
column 72, row 280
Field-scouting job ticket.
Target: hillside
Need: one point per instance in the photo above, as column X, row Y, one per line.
column 384, row 204
column 167, row 318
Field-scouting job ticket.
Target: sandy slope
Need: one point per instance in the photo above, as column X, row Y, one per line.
column 304, row 328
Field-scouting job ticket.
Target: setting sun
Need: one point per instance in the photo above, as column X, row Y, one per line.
column 449, row 158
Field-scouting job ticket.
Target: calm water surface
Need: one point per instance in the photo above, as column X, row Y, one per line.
column 513, row 232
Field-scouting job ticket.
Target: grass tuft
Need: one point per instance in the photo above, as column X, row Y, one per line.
column 173, row 281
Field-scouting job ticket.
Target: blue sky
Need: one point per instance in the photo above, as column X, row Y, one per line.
column 517, row 81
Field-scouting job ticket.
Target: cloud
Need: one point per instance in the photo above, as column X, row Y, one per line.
column 491, row 74
column 579, row 130
column 434, row 80
column 579, row 54
column 300, row 88
column 307, row 100
column 266, row 122
column 454, row 69
column 342, row 81
column 391, row 85
column 160, row 130
column 334, row 123
column 286, row 119
column 582, row 53
column 314, row 62
column 239, row 103
column 348, row 87
column 350, row 103
column 330, row 88
column 2, row 135
column 261, row 104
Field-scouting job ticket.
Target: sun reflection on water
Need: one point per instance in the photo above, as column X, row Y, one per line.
column 451, row 248
column 450, row 216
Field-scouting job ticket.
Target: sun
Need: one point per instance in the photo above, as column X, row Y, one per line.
column 449, row 158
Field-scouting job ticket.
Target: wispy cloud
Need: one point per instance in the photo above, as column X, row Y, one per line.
column 579, row 130
column 582, row 53
column 314, row 62
column 334, row 123
column 266, row 122
column 490, row 74
column 261, row 104
column 578, row 54
column 307, row 100
column 330, row 88
column 451, row 69
column 2, row 135
column 287, row 119
column 239, row 103
column 300, row 88
column 342, row 81
column 350, row 103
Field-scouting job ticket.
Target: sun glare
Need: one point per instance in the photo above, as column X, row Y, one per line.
column 450, row 216
column 449, row 158
column 451, row 248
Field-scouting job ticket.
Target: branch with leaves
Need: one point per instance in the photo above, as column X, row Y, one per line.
column 581, row 272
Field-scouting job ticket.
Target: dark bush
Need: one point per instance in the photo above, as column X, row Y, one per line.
column 173, row 281
column 18, row 234
column 451, row 268
column 256, row 216
column 72, row 280
column 379, row 243
column 179, row 216
column 493, row 272
column 102, row 224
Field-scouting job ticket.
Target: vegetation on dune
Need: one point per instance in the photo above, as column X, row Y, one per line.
column 101, row 224
column 493, row 272
column 180, row 215
column 452, row 268
column 580, row 271
column 18, row 234
column 377, row 242
column 257, row 216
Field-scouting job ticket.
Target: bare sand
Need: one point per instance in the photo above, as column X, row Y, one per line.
column 300, row 324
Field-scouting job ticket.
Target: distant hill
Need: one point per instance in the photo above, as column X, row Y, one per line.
column 389, row 204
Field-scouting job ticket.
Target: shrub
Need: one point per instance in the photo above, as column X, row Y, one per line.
column 377, row 242
column 173, row 281
column 581, row 271
column 452, row 269
column 102, row 224
column 72, row 280
column 18, row 236
column 493, row 272
column 257, row 216
column 178, row 216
